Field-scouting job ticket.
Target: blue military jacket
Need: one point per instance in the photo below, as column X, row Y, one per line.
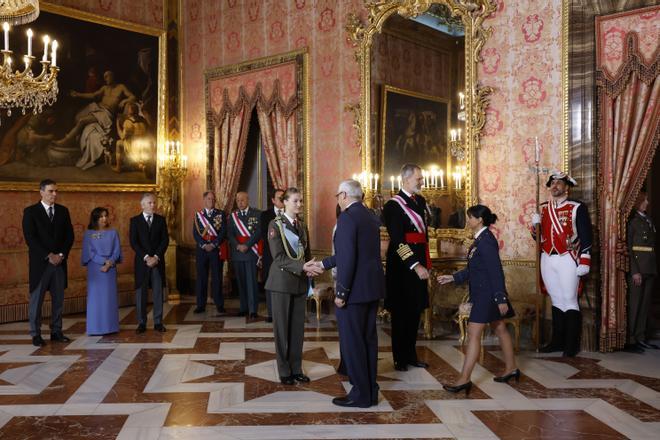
column 360, row 277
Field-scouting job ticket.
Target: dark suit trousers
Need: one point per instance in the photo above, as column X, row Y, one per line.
column 53, row 281
column 405, row 325
column 205, row 261
column 141, row 294
column 289, row 331
column 248, row 288
column 639, row 305
column 358, row 342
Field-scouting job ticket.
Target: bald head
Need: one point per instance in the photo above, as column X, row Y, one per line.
column 242, row 200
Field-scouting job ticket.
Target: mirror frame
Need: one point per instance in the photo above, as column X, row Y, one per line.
column 472, row 13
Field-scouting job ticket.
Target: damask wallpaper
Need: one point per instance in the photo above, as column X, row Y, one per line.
column 522, row 60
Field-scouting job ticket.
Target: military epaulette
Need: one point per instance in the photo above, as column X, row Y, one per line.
column 404, row 251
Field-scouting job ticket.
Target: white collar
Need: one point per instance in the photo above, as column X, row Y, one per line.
column 480, row 231
column 350, row 204
column 208, row 211
column 291, row 219
column 406, row 193
column 643, row 214
column 145, row 215
column 47, row 206
column 276, row 209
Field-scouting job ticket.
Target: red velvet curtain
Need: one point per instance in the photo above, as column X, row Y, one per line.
column 629, row 132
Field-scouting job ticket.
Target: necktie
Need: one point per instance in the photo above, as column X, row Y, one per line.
column 149, row 220
column 50, row 213
column 414, row 199
column 279, row 212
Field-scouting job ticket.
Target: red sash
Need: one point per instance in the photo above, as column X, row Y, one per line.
column 417, row 238
column 245, row 235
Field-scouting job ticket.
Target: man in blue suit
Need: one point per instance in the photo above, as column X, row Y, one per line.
column 360, row 286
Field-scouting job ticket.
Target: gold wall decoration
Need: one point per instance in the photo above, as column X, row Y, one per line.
column 472, row 13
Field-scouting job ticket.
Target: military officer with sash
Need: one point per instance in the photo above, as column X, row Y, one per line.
column 209, row 231
column 408, row 264
column 643, row 272
column 565, row 258
column 244, row 239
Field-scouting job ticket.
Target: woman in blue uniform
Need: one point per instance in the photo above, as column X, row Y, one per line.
column 487, row 295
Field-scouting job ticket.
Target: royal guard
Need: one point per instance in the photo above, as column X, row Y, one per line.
column 209, row 231
column 565, row 258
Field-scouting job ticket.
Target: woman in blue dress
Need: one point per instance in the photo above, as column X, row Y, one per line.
column 101, row 253
column 490, row 304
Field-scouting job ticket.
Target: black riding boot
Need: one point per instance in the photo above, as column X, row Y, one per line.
column 558, row 331
column 573, row 329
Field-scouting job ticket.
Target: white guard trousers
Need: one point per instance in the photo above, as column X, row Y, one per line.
column 561, row 281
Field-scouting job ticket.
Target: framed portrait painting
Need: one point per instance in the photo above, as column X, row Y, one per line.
column 415, row 129
column 102, row 132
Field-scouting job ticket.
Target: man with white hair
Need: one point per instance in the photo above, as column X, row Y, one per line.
column 149, row 239
column 408, row 265
column 360, row 286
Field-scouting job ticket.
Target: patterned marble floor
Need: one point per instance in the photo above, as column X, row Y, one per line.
column 214, row 377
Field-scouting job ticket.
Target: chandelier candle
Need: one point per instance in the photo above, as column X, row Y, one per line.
column 46, row 41
column 29, row 34
column 53, row 54
column 5, row 27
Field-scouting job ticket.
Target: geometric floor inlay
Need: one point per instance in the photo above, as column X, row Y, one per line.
column 211, row 377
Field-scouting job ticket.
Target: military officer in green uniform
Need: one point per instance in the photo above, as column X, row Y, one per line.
column 643, row 271
column 288, row 284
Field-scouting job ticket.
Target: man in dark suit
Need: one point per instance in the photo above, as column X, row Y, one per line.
column 149, row 239
column 209, row 231
column 49, row 235
column 360, row 286
column 408, row 264
column 267, row 259
column 244, row 234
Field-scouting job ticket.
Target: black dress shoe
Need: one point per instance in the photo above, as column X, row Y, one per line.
column 287, row 380
column 647, row 345
column 633, row 348
column 220, row 310
column 199, row 310
column 269, row 319
column 241, row 314
column 418, row 364
column 160, row 328
column 59, row 337
column 550, row 348
column 515, row 374
column 467, row 386
column 346, row 401
column 400, row 367
column 140, row 329
column 254, row 316
column 38, row 341
column 300, row 378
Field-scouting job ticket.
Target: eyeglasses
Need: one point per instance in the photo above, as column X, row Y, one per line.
column 340, row 193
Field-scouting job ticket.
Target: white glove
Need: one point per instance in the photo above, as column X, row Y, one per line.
column 582, row 270
column 536, row 219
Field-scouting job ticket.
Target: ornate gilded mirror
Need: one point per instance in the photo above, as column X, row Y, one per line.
column 420, row 101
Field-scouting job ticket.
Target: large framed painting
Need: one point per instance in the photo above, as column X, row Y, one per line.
column 415, row 129
column 103, row 131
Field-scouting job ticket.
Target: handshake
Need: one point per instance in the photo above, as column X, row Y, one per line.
column 313, row 268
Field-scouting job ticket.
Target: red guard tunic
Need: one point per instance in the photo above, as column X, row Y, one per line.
column 565, row 244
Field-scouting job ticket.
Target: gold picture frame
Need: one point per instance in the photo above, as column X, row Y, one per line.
column 472, row 15
column 385, row 139
column 301, row 59
column 159, row 122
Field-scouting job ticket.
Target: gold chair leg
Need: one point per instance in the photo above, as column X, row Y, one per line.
column 461, row 327
column 318, row 310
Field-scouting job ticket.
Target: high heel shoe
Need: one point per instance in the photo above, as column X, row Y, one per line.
column 514, row 374
column 467, row 386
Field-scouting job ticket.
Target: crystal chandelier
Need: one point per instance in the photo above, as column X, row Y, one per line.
column 20, row 88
